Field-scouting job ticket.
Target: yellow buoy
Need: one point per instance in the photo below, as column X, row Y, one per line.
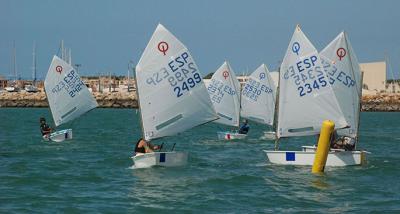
column 323, row 146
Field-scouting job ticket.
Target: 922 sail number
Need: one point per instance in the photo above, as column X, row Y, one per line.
column 181, row 73
column 71, row 83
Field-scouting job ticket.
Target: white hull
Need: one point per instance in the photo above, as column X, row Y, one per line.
column 59, row 136
column 166, row 159
column 31, row 89
column 306, row 157
column 269, row 135
column 230, row 136
column 11, row 89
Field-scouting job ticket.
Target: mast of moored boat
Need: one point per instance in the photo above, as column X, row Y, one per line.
column 34, row 64
column 15, row 64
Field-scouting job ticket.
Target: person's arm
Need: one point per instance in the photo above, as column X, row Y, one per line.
column 153, row 147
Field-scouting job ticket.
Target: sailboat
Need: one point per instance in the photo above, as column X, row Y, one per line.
column 258, row 99
column 32, row 88
column 67, row 95
column 308, row 96
column 224, row 91
column 13, row 87
column 172, row 96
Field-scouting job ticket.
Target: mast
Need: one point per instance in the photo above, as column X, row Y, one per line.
column 15, row 62
column 359, row 110
column 240, row 94
column 34, row 64
column 139, row 107
column 389, row 66
column 276, row 114
column 62, row 49
column 129, row 63
column 270, row 81
column 70, row 57
column 359, row 91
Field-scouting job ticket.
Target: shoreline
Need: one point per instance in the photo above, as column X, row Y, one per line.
column 383, row 102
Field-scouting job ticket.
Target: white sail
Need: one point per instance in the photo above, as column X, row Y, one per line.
column 306, row 98
column 67, row 94
column 172, row 95
column 341, row 66
column 224, row 93
column 258, row 97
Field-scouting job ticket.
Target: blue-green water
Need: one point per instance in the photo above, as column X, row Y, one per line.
column 93, row 172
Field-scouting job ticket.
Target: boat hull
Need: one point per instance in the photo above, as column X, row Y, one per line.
column 230, row 136
column 269, row 135
column 165, row 159
column 306, row 157
column 59, row 136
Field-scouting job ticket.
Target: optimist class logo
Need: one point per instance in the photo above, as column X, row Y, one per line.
column 59, row 69
column 225, row 74
column 163, row 47
column 341, row 52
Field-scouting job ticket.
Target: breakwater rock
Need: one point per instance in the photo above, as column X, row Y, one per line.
column 105, row 100
column 381, row 102
column 377, row 102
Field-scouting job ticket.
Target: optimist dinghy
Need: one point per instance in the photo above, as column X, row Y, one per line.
column 315, row 87
column 258, row 99
column 224, row 93
column 172, row 96
column 67, row 95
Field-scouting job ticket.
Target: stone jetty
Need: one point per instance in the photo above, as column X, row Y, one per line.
column 39, row 99
column 375, row 102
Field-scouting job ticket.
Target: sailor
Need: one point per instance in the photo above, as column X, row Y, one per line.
column 44, row 128
column 244, row 129
column 144, row 147
column 342, row 142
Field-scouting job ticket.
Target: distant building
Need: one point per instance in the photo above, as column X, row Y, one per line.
column 374, row 75
column 3, row 82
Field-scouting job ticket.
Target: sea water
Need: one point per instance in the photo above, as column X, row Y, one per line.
column 94, row 173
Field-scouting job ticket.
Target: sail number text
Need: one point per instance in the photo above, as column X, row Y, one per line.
column 181, row 74
column 253, row 89
column 217, row 89
column 71, row 83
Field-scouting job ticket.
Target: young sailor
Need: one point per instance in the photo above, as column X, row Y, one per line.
column 244, row 128
column 144, row 147
column 44, row 128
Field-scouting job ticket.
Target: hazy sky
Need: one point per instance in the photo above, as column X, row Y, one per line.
column 105, row 35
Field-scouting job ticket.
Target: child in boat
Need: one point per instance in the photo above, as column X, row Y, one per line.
column 144, row 147
column 44, row 128
column 343, row 142
column 244, row 129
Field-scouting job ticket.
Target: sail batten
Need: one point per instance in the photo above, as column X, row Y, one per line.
column 306, row 98
column 224, row 93
column 67, row 94
column 173, row 97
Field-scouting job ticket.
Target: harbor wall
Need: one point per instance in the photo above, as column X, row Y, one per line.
column 376, row 102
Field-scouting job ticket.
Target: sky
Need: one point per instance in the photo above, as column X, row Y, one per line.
column 105, row 35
